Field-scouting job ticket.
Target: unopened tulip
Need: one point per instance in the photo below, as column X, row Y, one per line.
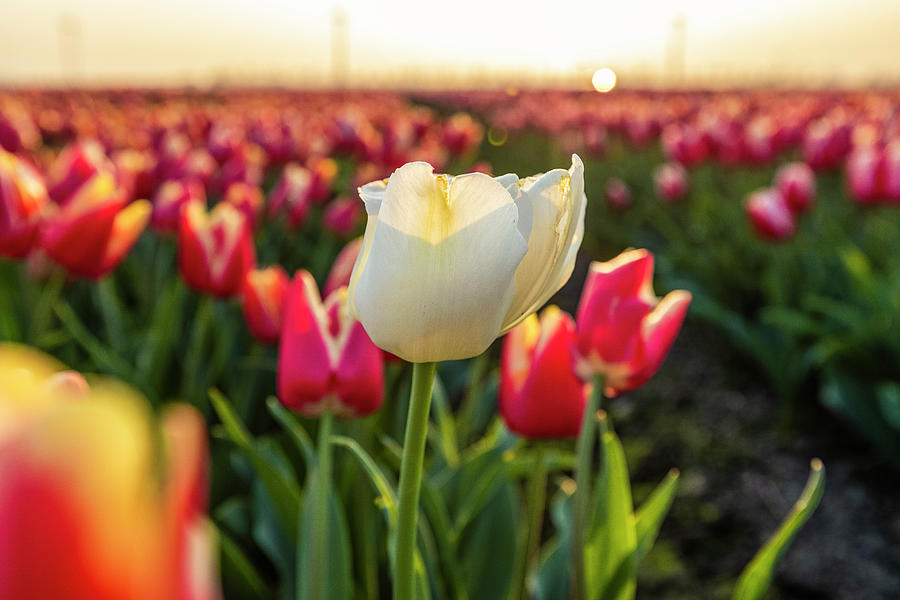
column 22, row 200
column 541, row 396
column 863, row 169
column 797, row 183
column 342, row 216
column 76, row 164
column 263, row 296
column 215, row 249
column 624, row 330
column 135, row 172
column 617, row 193
column 326, row 362
column 169, row 199
column 93, row 231
column 292, row 193
column 450, row 263
column 770, row 215
column 324, row 171
column 84, row 511
column 342, row 268
column 670, row 181
column 246, row 198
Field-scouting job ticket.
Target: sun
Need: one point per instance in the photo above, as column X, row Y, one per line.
column 604, row 80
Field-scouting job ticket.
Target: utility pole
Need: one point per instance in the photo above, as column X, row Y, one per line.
column 340, row 48
column 71, row 46
column 676, row 49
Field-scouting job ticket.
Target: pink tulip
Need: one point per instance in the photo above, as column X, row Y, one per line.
column 326, row 361
column 770, row 215
column 339, row 276
column 797, row 183
column 671, row 182
column 624, row 330
column 343, row 216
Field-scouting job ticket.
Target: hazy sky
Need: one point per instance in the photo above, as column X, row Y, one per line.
column 196, row 41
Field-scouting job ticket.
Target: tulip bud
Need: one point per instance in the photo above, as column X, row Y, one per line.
column 342, row 216
column 215, row 249
column 671, row 182
column 169, row 199
column 95, row 229
column 770, row 215
column 292, row 193
column 617, row 193
column 796, row 182
column 339, row 276
column 326, row 361
column 863, row 170
column 455, row 262
column 540, row 394
column 624, row 330
column 246, row 198
column 76, row 164
column 22, row 200
column 263, row 295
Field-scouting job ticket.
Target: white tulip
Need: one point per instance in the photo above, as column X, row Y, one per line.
column 450, row 263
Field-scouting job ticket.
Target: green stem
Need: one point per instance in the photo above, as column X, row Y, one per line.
column 111, row 313
column 411, row 478
column 537, row 495
column 41, row 317
column 318, row 583
column 192, row 383
column 466, row 417
column 584, row 450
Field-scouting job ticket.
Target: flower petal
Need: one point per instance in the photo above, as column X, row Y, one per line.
column 437, row 276
column 557, row 203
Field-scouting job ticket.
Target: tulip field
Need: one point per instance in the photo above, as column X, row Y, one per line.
column 517, row 344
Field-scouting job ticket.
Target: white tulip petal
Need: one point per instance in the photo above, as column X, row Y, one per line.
column 372, row 195
column 438, row 276
column 558, row 206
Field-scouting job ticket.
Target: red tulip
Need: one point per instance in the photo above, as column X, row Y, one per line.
column 339, row 276
column 22, row 200
column 671, row 182
column 326, row 361
column 84, row 513
column 93, row 231
column 215, row 249
column 342, row 216
column 540, row 395
column 617, row 193
column 246, row 198
column 797, row 184
column 76, row 164
column 263, row 295
column 169, row 199
column 324, row 171
column 770, row 215
column 624, row 330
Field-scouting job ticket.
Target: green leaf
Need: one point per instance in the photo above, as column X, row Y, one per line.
column 888, row 394
column 610, row 549
column 446, row 428
column 294, row 428
column 554, row 574
column 239, row 576
column 757, row 576
column 388, row 497
column 487, row 547
column 339, row 568
column 283, row 492
column 650, row 515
